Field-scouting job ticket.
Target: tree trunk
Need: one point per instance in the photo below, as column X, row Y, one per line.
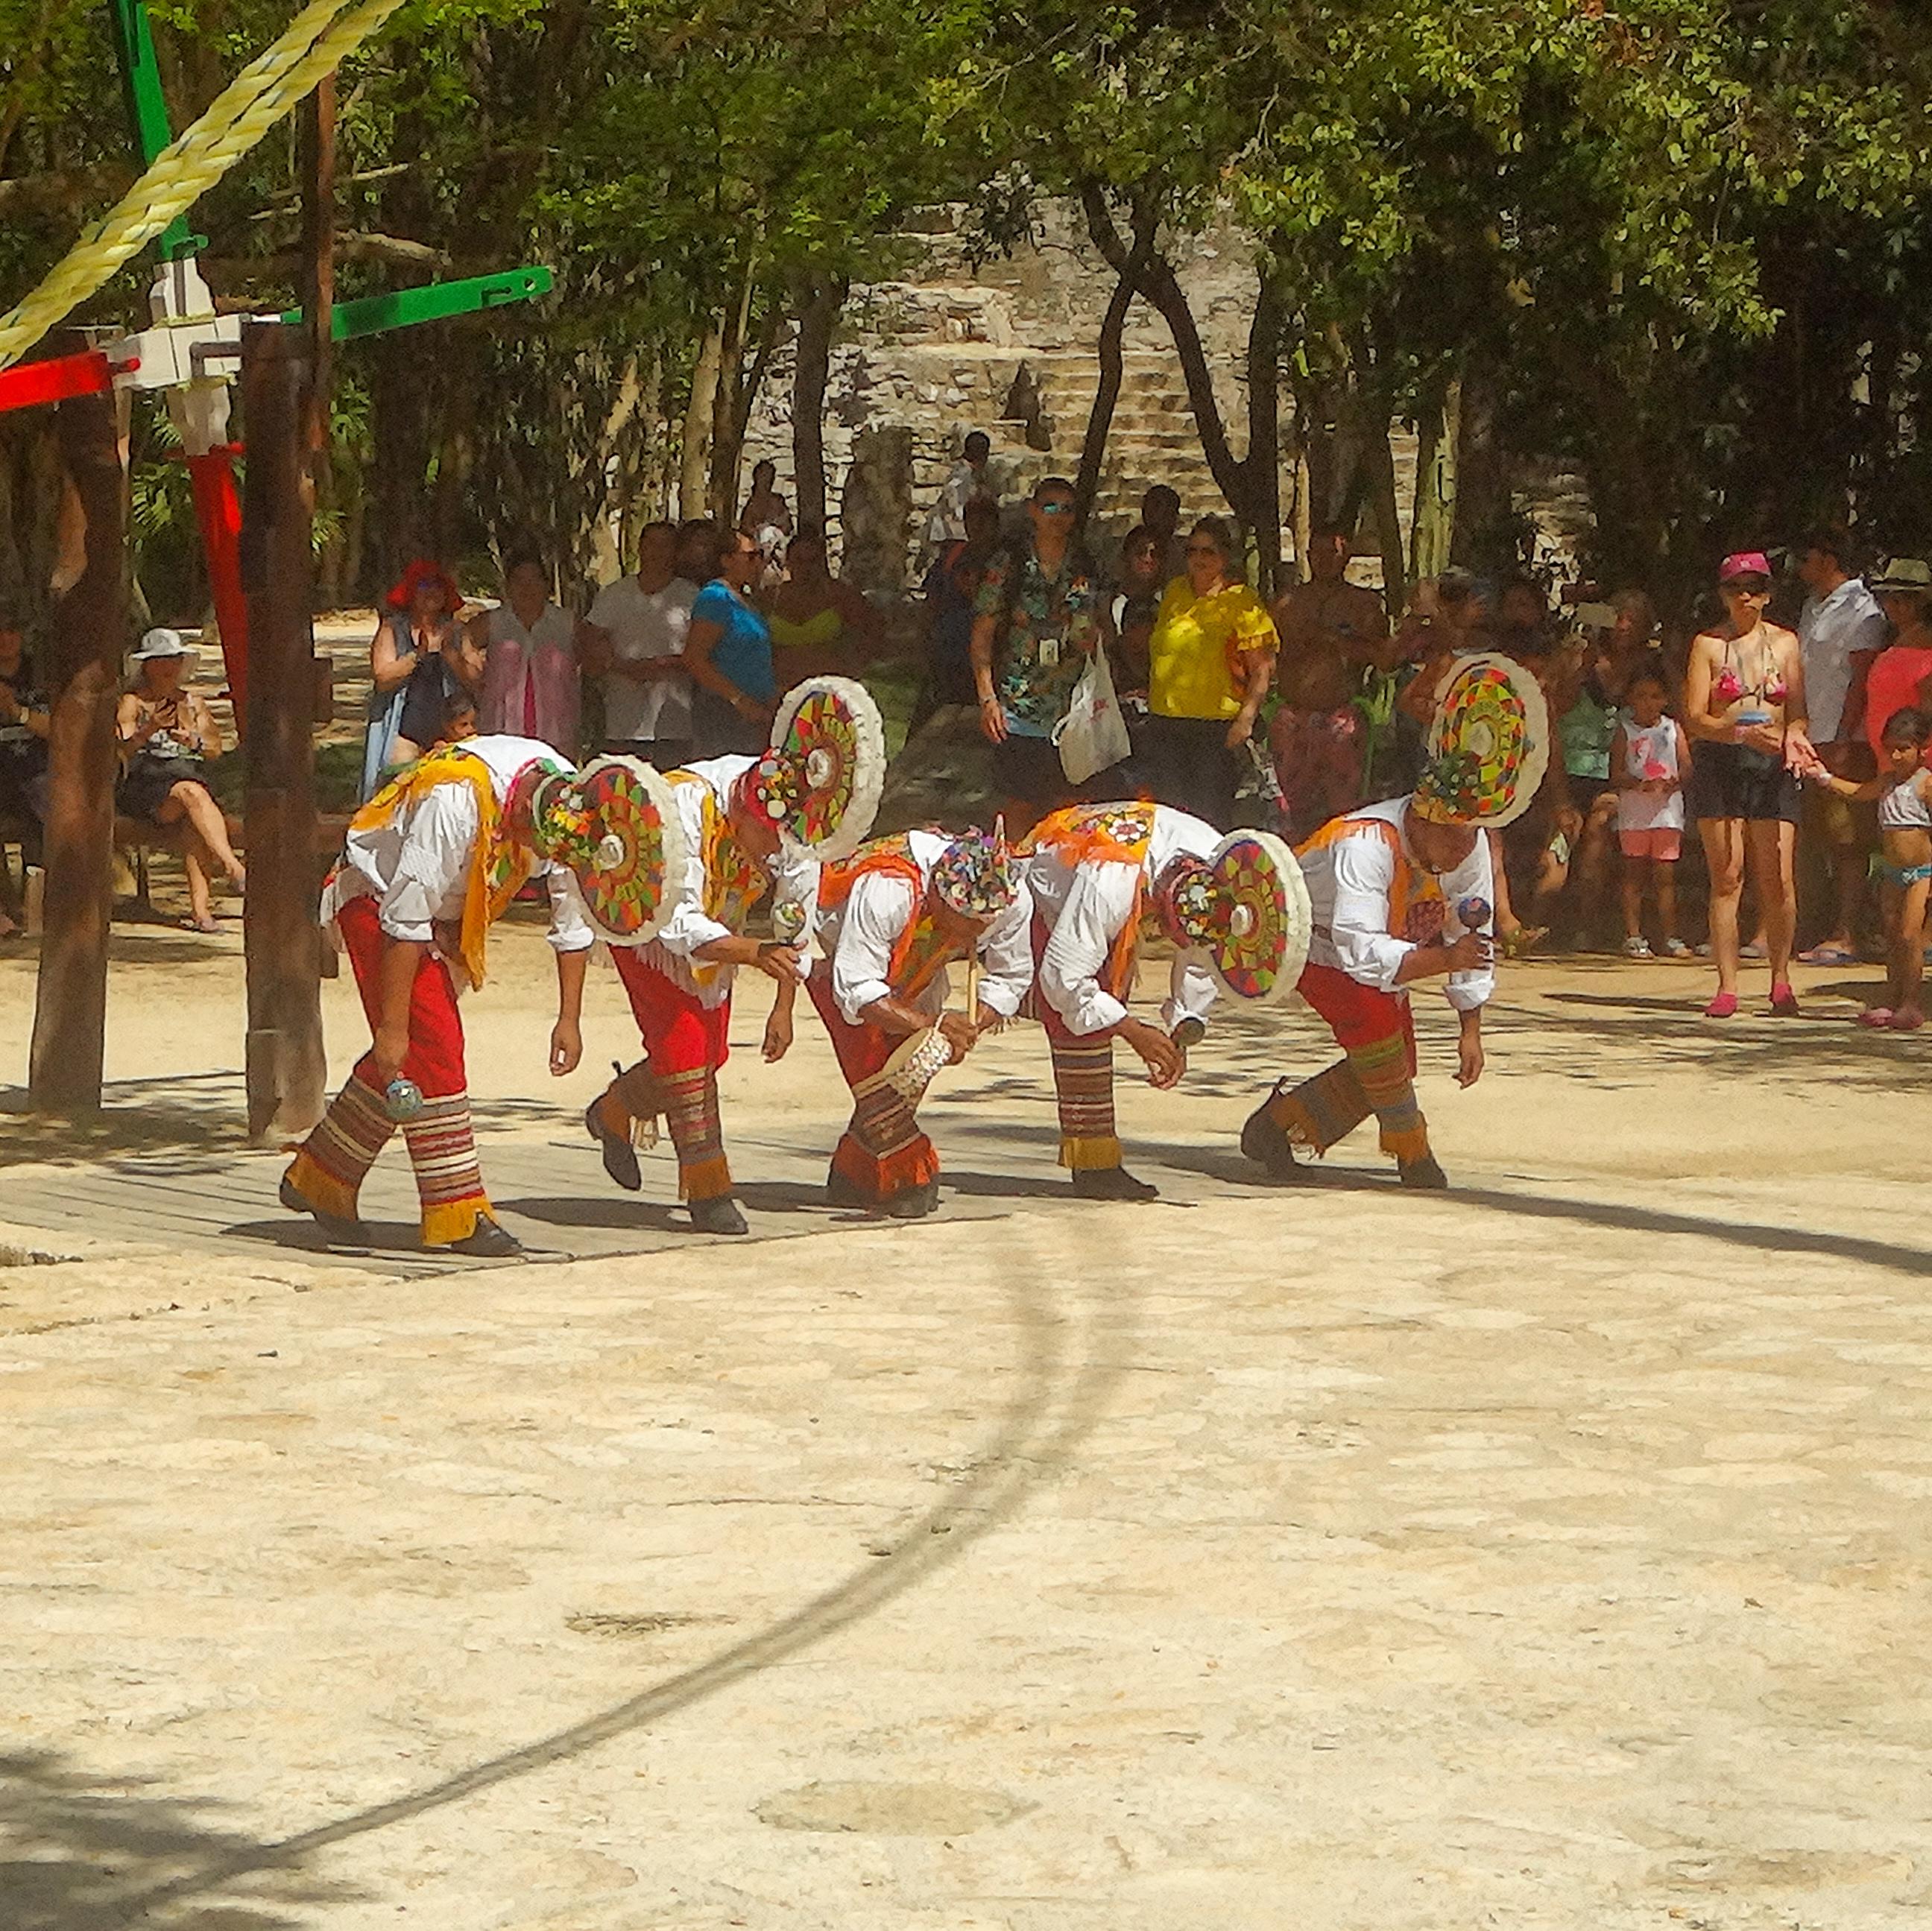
column 286, row 1068
column 1155, row 281
column 728, row 417
column 1106, row 394
column 89, row 628
column 695, row 452
column 1480, row 539
column 1439, row 429
column 1262, row 465
column 817, row 319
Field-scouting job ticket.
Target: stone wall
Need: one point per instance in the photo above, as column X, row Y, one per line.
column 1006, row 346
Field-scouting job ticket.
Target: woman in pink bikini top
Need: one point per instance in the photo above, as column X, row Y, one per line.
column 1744, row 712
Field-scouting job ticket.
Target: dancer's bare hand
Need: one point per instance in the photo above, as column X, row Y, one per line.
column 391, row 1049
column 958, row 1032
column 784, row 963
column 1470, row 953
column 1469, row 1059
column 777, row 1035
column 1165, row 1061
column 566, row 1047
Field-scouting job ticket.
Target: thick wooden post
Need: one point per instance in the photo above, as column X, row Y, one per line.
column 287, row 1070
column 89, row 635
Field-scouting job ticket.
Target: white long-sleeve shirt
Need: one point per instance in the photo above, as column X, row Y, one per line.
column 794, row 882
column 859, row 938
column 1085, row 907
column 417, row 866
column 1352, row 882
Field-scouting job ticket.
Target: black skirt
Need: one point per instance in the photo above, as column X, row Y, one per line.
column 145, row 785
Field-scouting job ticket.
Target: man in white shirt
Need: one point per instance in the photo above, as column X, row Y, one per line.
column 892, row 919
column 1095, row 871
column 431, row 861
column 1398, row 892
column 968, row 479
column 634, row 639
column 1839, row 632
column 680, row 985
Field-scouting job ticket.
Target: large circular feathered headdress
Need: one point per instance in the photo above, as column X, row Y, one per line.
column 818, row 783
column 1489, row 745
column 1245, row 909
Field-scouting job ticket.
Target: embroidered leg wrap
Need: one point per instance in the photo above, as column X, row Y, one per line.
column 632, row 1103
column 691, row 1111
column 1376, row 1030
column 331, row 1162
column 883, row 1153
column 1083, row 1080
column 1383, row 1068
column 449, row 1182
column 1374, row 1078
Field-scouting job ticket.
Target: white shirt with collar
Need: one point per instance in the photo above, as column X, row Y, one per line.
column 859, row 938
column 1833, row 629
column 794, row 882
column 1351, row 879
column 417, row 866
column 1086, row 907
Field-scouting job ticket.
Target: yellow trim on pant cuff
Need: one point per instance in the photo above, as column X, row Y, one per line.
column 321, row 1188
column 707, row 1181
column 1089, row 1156
column 450, row 1220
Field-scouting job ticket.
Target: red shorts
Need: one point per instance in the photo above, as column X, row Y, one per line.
column 1662, row 841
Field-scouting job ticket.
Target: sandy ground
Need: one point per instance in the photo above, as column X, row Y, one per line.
column 1550, row 1554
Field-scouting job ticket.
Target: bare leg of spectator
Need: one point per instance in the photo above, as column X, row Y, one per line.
column 1724, row 859
column 1770, row 843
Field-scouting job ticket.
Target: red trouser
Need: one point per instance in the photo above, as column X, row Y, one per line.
column 686, row 1042
column 882, row 1153
column 330, row 1166
column 1376, row 1031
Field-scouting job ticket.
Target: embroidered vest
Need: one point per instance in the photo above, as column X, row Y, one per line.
column 1417, row 911
column 498, row 866
column 919, row 954
column 1104, row 834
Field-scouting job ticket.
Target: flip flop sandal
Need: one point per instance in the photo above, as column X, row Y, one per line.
column 1878, row 1018
column 1827, row 955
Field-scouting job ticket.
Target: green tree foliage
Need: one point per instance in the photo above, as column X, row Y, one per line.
column 1680, row 244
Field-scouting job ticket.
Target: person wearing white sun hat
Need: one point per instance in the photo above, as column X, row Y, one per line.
column 167, row 734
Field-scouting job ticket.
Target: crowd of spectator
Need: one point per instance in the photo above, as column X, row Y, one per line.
column 1786, row 730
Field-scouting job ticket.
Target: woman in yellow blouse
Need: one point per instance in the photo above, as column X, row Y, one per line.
column 1210, row 660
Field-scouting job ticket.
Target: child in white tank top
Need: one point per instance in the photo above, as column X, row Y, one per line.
column 1647, row 767
column 1903, row 789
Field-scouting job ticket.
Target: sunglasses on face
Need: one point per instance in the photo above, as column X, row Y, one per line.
column 1059, row 506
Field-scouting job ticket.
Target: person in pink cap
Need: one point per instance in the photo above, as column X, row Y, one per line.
column 1743, row 711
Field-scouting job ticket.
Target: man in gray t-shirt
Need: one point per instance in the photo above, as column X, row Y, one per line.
column 634, row 639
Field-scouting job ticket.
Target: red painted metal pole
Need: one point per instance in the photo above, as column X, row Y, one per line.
column 218, row 510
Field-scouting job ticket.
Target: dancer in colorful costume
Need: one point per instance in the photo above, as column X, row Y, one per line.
column 892, row 919
column 1404, row 892
column 753, row 824
column 430, row 863
column 1235, row 910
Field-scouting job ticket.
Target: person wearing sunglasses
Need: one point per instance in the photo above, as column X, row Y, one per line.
column 1745, row 713
column 1038, row 621
column 1210, row 660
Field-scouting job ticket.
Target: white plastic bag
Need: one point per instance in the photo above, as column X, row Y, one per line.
column 1093, row 735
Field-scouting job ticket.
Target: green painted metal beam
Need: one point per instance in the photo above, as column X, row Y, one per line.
column 405, row 307
column 147, row 107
